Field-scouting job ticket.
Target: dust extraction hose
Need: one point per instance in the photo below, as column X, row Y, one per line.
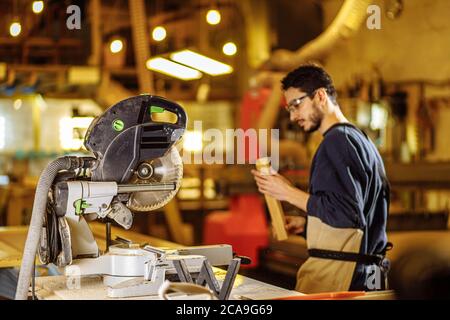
column 37, row 218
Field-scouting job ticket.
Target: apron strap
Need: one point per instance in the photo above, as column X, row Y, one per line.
column 351, row 256
column 346, row 256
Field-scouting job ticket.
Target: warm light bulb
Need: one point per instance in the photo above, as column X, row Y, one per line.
column 213, row 17
column 159, row 33
column 116, row 46
column 15, row 29
column 38, row 6
column 229, row 49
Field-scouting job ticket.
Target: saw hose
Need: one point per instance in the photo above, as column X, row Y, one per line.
column 37, row 217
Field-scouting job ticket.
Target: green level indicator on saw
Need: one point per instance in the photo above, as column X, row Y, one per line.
column 156, row 109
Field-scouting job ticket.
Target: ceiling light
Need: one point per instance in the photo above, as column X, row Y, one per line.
column 116, row 46
column 15, row 29
column 159, row 33
column 173, row 69
column 229, row 49
column 38, row 6
column 213, row 17
column 201, row 62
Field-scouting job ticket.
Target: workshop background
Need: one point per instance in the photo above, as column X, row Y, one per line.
column 63, row 62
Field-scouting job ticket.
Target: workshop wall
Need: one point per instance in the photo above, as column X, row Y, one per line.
column 414, row 46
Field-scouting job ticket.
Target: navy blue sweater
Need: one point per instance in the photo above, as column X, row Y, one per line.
column 349, row 189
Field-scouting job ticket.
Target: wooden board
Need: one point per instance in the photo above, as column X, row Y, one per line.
column 274, row 206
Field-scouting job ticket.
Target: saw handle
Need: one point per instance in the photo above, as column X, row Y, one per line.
column 177, row 110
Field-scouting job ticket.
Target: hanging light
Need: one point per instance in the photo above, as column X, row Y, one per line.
column 116, row 46
column 229, row 48
column 213, row 17
column 159, row 33
column 173, row 69
column 15, row 29
column 38, row 7
column 201, row 62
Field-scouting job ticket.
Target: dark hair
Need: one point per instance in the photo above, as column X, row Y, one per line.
column 308, row 78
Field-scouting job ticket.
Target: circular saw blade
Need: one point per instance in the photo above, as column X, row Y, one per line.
column 168, row 168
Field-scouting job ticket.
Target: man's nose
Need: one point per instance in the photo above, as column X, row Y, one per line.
column 293, row 116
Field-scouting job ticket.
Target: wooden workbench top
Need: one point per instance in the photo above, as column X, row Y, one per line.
column 12, row 241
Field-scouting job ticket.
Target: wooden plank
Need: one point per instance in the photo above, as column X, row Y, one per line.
column 275, row 208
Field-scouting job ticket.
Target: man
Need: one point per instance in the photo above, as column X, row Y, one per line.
column 348, row 200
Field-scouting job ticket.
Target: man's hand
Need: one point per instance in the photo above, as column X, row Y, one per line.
column 295, row 224
column 273, row 185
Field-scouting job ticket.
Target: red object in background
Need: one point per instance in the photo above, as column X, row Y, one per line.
column 252, row 104
column 251, row 107
column 244, row 227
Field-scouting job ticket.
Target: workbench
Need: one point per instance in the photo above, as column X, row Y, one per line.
column 12, row 240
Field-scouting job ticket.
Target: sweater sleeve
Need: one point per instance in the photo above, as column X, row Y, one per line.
column 339, row 182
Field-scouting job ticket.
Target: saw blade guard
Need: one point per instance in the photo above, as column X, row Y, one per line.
column 132, row 148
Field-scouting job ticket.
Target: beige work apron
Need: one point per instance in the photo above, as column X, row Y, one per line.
column 324, row 275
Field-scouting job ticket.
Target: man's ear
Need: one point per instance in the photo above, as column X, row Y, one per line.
column 322, row 94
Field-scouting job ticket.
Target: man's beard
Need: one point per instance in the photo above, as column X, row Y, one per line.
column 315, row 119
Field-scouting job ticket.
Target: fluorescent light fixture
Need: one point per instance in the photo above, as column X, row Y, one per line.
column 66, row 128
column 201, row 62
column 173, row 69
column 2, row 132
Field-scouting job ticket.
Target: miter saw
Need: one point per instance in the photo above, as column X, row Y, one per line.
column 135, row 168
